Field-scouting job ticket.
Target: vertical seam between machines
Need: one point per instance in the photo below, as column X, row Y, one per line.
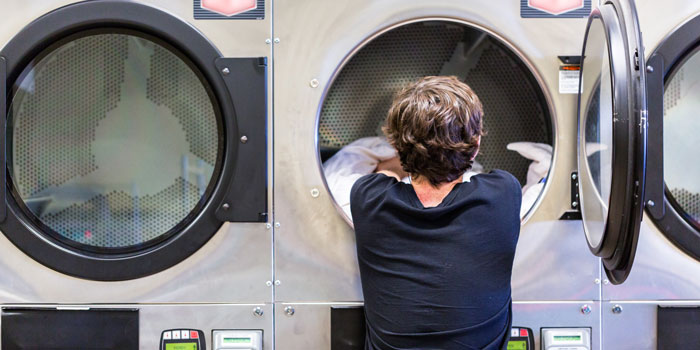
column 273, row 217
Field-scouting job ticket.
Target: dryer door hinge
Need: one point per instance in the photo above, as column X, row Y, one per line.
column 574, row 211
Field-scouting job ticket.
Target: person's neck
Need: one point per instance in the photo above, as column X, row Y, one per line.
column 432, row 195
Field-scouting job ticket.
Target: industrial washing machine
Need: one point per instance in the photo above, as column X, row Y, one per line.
column 135, row 202
column 660, row 299
column 337, row 66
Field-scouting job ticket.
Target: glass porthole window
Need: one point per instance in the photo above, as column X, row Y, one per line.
column 680, row 138
column 612, row 136
column 597, row 138
column 114, row 141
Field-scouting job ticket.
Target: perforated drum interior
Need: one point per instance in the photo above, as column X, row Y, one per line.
column 681, row 126
column 114, row 141
column 514, row 105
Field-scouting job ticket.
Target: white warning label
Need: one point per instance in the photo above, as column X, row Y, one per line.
column 568, row 79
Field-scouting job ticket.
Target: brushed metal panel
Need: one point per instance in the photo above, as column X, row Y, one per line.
column 234, row 38
column 313, row 240
column 233, row 267
column 657, row 20
column 552, row 262
column 661, row 271
column 635, row 326
column 153, row 319
column 309, row 327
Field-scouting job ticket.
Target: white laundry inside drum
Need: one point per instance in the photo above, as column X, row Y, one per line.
column 515, row 109
column 114, row 141
column 681, row 128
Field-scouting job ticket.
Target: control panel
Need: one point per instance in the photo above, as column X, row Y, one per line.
column 237, row 339
column 182, row 339
column 521, row 338
column 566, row 339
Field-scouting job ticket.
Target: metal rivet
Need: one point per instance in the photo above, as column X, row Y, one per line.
column 315, row 192
column 574, row 204
column 258, row 311
column 225, row 71
column 573, row 176
column 651, row 203
column 226, row 206
column 268, row 226
column 585, row 309
column 617, row 309
column 596, row 281
column 606, row 281
column 314, row 83
column 277, row 224
column 277, row 40
column 650, row 69
column 278, row 282
column 268, row 283
column 244, row 139
column 289, row 311
column 268, row 41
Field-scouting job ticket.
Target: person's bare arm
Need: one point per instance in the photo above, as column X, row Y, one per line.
column 392, row 168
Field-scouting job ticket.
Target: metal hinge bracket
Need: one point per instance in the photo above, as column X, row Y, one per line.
column 574, row 212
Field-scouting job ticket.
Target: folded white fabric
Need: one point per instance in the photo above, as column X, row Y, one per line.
column 360, row 158
column 541, row 156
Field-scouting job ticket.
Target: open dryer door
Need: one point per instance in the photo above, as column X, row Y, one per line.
column 612, row 135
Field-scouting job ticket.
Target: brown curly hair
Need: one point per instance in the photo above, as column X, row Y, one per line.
column 435, row 124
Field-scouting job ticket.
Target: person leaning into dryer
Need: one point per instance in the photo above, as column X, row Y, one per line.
column 436, row 254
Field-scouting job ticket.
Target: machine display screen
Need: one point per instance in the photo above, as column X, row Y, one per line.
column 236, row 340
column 517, row 345
column 181, row 346
column 567, row 338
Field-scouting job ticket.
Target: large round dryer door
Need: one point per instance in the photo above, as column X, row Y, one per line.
column 114, row 141
column 673, row 189
column 117, row 160
column 612, row 136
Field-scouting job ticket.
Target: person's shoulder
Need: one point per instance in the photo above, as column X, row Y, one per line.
column 371, row 183
column 503, row 179
column 506, row 176
column 502, row 190
column 368, row 189
column 499, row 175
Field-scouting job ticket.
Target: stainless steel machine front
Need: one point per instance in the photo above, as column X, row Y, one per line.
column 137, row 153
column 102, row 209
column 335, row 73
column 635, row 123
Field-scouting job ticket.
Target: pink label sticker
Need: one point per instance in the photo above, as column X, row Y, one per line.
column 229, row 7
column 556, row 7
